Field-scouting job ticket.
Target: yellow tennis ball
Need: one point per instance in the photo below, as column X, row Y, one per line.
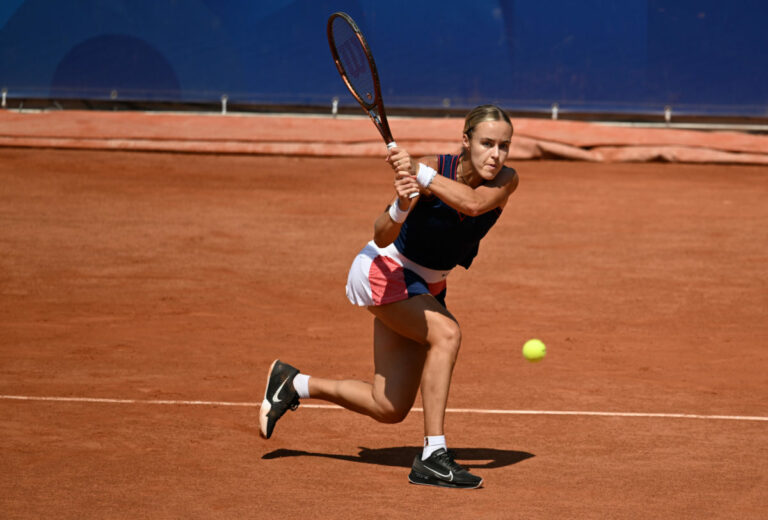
column 534, row 350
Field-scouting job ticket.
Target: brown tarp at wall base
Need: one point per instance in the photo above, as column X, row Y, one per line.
column 356, row 136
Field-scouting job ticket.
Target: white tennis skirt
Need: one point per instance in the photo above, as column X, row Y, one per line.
column 383, row 275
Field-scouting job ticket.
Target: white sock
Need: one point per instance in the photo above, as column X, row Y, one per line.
column 432, row 444
column 301, row 385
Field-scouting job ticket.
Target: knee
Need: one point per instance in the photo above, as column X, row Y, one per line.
column 447, row 338
column 394, row 416
column 390, row 414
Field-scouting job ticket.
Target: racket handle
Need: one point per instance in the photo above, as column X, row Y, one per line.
column 389, row 147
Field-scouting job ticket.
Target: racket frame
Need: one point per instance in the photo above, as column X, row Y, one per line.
column 375, row 109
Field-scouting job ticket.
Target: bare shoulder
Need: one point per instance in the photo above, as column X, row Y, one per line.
column 507, row 178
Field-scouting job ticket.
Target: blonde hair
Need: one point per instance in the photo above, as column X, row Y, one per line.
column 482, row 114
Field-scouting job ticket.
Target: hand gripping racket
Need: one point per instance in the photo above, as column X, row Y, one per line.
column 355, row 64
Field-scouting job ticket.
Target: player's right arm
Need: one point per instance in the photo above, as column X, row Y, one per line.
column 386, row 229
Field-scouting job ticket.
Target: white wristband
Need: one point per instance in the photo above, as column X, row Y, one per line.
column 396, row 214
column 425, row 175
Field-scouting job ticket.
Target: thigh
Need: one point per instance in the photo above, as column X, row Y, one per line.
column 399, row 362
column 402, row 331
column 419, row 318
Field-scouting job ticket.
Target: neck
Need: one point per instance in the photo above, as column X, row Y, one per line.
column 465, row 173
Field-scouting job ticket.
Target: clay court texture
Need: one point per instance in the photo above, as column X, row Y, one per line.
column 152, row 266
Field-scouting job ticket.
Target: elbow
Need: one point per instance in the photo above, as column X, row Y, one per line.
column 472, row 209
column 380, row 241
column 477, row 205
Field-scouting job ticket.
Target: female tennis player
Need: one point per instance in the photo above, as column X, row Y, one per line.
column 400, row 277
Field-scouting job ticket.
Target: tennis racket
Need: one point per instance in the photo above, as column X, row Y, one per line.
column 354, row 62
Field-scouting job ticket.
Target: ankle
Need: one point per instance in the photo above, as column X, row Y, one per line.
column 433, row 443
column 301, row 385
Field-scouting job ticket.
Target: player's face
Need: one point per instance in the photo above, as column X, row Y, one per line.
column 489, row 147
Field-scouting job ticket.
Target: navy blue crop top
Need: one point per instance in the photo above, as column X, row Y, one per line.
column 437, row 236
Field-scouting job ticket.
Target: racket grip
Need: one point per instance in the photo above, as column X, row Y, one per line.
column 389, row 147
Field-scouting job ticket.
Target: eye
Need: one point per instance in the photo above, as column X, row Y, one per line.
column 504, row 146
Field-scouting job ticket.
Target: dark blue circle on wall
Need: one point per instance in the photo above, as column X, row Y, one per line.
column 115, row 65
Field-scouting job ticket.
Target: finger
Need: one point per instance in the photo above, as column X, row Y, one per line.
column 399, row 153
column 397, row 162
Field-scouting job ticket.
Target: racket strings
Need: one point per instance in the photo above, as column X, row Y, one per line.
column 354, row 60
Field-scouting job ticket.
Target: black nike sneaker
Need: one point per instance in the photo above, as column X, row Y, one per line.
column 441, row 470
column 278, row 397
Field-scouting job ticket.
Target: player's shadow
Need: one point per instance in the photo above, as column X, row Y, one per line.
column 403, row 456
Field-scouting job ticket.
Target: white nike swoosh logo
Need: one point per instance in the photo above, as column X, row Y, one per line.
column 449, row 476
column 275, row 398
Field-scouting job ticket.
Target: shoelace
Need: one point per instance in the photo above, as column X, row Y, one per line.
column 447, row 459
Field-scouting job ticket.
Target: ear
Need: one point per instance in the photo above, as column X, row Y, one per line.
column 465, row 141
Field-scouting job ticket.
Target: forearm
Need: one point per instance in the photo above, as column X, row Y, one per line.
column 459, row 196
column 386, row 228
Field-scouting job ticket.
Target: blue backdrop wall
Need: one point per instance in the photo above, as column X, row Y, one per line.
column 700, row 56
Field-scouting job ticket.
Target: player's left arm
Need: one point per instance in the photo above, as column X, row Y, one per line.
column 487, row 196
column 469, row 201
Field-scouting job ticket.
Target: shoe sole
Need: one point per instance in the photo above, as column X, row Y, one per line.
column 424, row 480
column 266, row 406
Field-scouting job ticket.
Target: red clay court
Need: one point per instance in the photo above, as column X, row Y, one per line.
column 144, row 293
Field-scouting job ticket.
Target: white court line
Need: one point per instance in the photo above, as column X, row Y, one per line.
column 334, row 407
